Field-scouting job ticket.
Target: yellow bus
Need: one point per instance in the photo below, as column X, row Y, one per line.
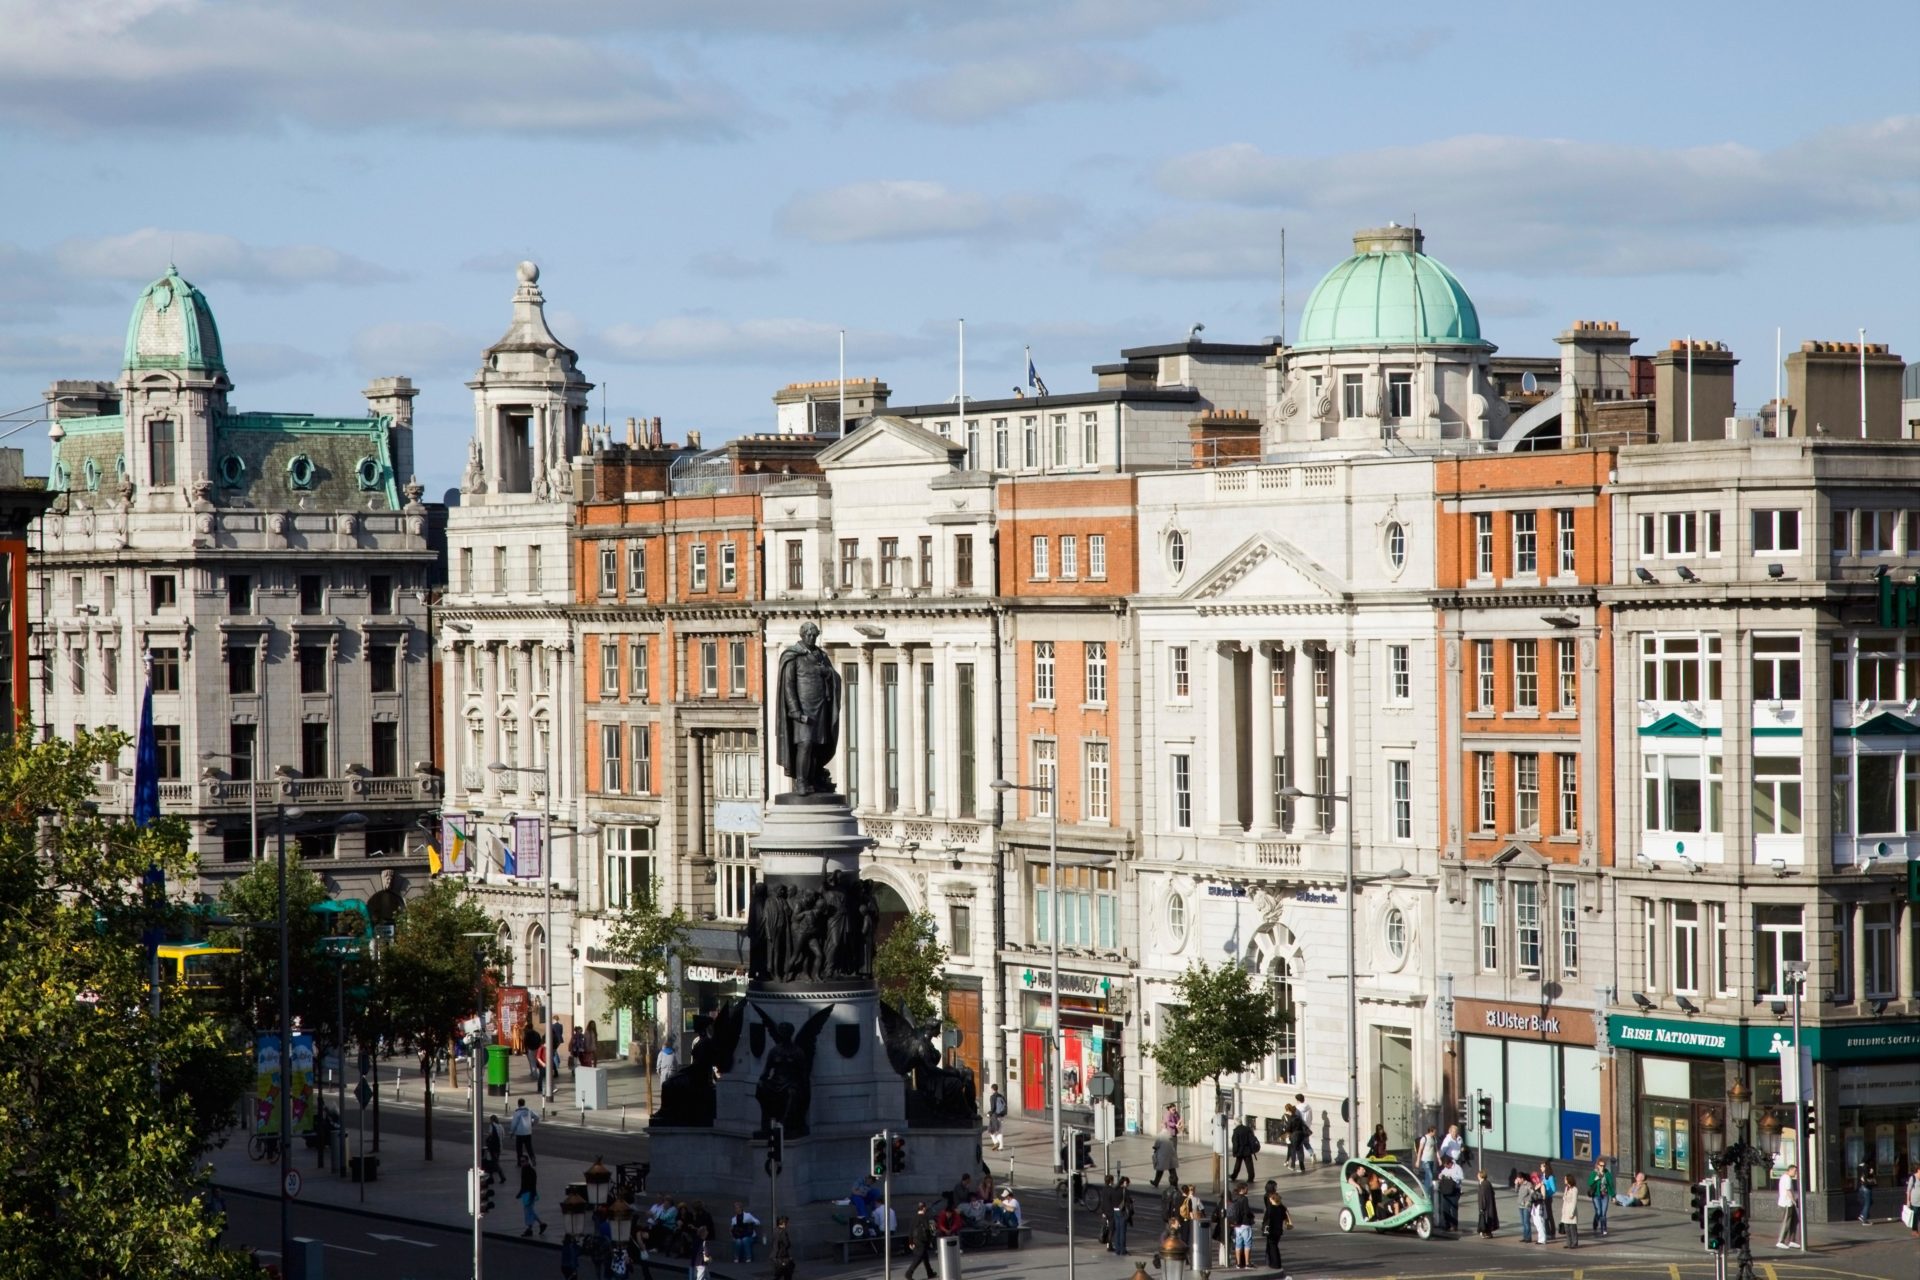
column 200, row 969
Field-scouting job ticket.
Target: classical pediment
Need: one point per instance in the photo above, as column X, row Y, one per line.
column 888, row 441
column 1267, row 567
column 1520, row 856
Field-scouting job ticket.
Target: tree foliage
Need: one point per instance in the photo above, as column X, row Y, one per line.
column 645, row 940
column 255, row 897
column 910, row 967
column 1223, row 1024
column 105, row 1104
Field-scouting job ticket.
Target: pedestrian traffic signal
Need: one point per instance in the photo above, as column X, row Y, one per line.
column 776, row 1141
column 486, row 1194
column 1716, row 1227
column 899, row 1154
column 877, row 1155
column 1737, row 1228
column 1806, row 1117
column 1486, row 1113
column 1699, row 1211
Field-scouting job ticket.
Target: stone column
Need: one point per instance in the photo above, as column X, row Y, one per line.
column 1857, row 928
column 872, row 750
column 1261, row 695
column 1223, row 743
column 1305, row 747
column 947, row 758
column 1903, row 950
column 912, row 764
column 490, row 713
column 696, row 812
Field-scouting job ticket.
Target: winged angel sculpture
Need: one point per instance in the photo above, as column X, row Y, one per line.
column 785, row 1091
column 937, row 1096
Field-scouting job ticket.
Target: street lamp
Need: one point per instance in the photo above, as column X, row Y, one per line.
column 1741, row 1156
column 1796, row 974
column 1056, row 1058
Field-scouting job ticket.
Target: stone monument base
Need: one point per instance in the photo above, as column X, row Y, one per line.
column 819, row 1167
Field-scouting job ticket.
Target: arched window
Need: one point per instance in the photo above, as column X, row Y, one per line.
column 506, row 949
column 509, row 749
column 1285, row 1066
column 536, row 956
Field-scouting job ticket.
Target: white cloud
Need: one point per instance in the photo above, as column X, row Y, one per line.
column 724, row 264
column 894, row 209
column 251, row 362
column 1542, row 205
column 137, row 257
column 410, row 348
column 61, row 355
column 1394, row 46
column 979, row 90
column 711, row 339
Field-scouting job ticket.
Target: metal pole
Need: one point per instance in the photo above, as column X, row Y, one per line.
column 286, row 1051
column 886, row 1204
column 546, row 939
column 340, row 1062
column 1807, row 1159
column 479, row 1100
column 1353, row 997
column 363, row 1155
column 1059, row 1040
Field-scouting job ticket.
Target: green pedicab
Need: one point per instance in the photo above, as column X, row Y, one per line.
column 1387, row 1198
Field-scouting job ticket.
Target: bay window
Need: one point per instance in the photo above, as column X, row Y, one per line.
column 1089, row 906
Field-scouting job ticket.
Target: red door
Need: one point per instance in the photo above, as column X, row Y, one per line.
column 1033, row 1071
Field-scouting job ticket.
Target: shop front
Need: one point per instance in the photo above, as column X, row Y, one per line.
column 1092, row 1041
column 1539, row 1070
column 714, row 973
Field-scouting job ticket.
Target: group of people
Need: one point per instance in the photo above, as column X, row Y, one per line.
column 1234, row 1226
column 541, row 1050
column 1549, row 1205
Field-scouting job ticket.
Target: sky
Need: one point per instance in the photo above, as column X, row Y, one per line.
column 715, row 189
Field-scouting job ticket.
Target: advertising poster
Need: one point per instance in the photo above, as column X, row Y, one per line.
column 267, row 1083
column 1681, row 1147
column 1662, row 1142
column 512, row 1007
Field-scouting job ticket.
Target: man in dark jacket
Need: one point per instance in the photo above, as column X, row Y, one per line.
column 1244, row 1147
column 1118, row 1207
column 920, row 1240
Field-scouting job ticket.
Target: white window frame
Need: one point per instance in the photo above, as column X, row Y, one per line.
column 1179, row 673
column 1487, row 790
column 1779, row 795
column 1526, row 674
column 698, row 567
column 1399, row 674
column 1180, row 791
column 709, row 668
column 1045, row 775
column 1489, row 926
column 1485, row 693
column 612, row 758
column 638, row 675
column 1776, row 531
column 1400, row 797
column 1567, row 542
column 1526, row 543
column 609, row 571
column 1099, row 783
column 1097, row 556
column 1095, row 655
column 1528, row 939
column 632, row 868
column 1526, row 792
column 1566, row 662
column 1069, row 556
column 1483, row 544
column 1684, row 934
column 609, row 669
column 640, row 737
column 729, row 565
column 1041, row 566
column 1567, row 900
column 1044, row 685
column 636, row 569
column 1567, row 793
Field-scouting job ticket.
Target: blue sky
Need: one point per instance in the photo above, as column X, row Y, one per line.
column 714, row 189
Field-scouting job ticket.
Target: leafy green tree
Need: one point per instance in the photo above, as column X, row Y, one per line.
column 1223, row 1024
column 255, row 897
column 432, row 976
column 910, row 967
column 107, row 1102
column 645, row 940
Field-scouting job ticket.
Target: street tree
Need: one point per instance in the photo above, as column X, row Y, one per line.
column 433, row 975
column 1221, row 1025
column 646, row 941
column 110, row 1088
column 254, row 897
column 910, row 967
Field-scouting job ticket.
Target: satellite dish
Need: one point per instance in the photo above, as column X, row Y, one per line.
column 1529, row 383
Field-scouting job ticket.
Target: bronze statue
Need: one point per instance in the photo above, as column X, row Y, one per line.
column 785, row 1091
column 808, row 723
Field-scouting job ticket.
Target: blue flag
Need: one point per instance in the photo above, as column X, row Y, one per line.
column 1033, row 377
column 146, row 763
column 508, row 862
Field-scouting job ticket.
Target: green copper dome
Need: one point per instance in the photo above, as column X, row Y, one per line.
column 1389, row 294
column 172, row 328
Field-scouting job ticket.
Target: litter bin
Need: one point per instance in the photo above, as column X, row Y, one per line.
column 590, row 1088
column 498, row 1056
column 949, row 1258
column 364, row 1168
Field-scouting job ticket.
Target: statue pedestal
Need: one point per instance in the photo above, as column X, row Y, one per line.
column 810, row 845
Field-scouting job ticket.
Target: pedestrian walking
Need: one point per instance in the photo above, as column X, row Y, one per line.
column 1447, row 1189
column 490, row 1151
column 1171, row 1121
column 1486, row 1218
column 529, row 1197
column 1864, row 1183
column 1306, row 1123
column 1240, row 1222
column 1426, row 1158
column 920, row 1240
column 1570, row 1214
column 782, row 1249
column 1274, row 1224
column 1788, row 1197
column 996, row 1117
column 1245, row 1146
column 1166, row 1160
column 1121, row 1215
column 1911, row 1214
column 520, row 1125
column 1600, row 1191
column 663, row 1062
column 743, row 1230
column 556, row 1042
column 530, row 1041
column 698, row 1257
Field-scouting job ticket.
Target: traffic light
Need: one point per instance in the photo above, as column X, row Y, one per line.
column 1716, row 1227
column 776, row 1144
column 486, row 1194
column 1486, row 1113
column 877, row 1155
column 1699, row 1211
column 1806, row 1117
column 899, row 1154
column 1737, row 1228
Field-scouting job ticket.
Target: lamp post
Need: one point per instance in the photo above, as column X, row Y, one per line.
column 1797, row 979
column 1741, row 1156
column 1056, row 1055
column 546, row 874
column 1353, row 990
column 477, row 1040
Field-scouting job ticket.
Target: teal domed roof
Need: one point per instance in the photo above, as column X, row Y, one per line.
column 1389, row 294
column 172, row 328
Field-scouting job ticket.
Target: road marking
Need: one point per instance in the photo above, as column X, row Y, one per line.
column 1771, row 1273
column 1673, row 1271
column 423, row 1244
column 344, row 1249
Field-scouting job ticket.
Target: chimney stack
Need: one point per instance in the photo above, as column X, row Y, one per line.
column 1710, row 390
column 1596, row 364
column 1824, row 385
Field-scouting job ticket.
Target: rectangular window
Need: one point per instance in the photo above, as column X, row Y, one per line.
column 1880, row 942
column 1069, row 556
column 77, row 670
column 316, row 761
column 929, row 737
column 889, row 559
column 1526, row 791
column 1567, row 788
column 1680, row 668
column 1569, row 900
column 163, row 592
column 1568, row 566
column 1680, row 532
column 239, row 593
column 1776, row 532
column 1180, row 791
column 631, row 871
column 1483, row 544
column 1400, row 789
column 964, row 728
column 535, row 577
column 609, row 571
column 959, row 929
column 385, row 749
column 1711, row 521
column 1679, row 797
column 737, row 668
column 313, row 668
column 1353, row 397
column 640, row 737
column 109, row 672
column 241, row 669
column 1483, row 675
column 1776, row 668
column 166, row 738
column 612, row 765
column 849, row 562
column 1776, row 795
column 1177, row 673
column 1322, row 675
column 973, row 444
column 1842, row 533
column 1097, row 556
column 466, row 569
column 1683, row 947
column 609, row 669
column 1526, row 675
column 999, row 444
column 1399, row 673
column 1059, row 424
column 383, row 668
column 1096, row 656
column 1046, row 770
column 1099, row 781
column 160, row 468
column 963, row 560
column 1487, row 789
column 638, row 683
column 1030, row 442
column 1489, row 926
column 1400, row 395
column 697, row 569
column 926, row 563
column 1566, row 662
column 500, row 569
column 1043, row 671
column 729, row 566
column 636, row 570
column 738, row 870
column 380, row 593
column 1526, row 543
column 710, row 668
column 796, row 565
column 1879, row 533
column 850, row 681
column 1526, row 926
column 1087, row 909
column 890, row 733
column 1040, row 558
column 1089, row 439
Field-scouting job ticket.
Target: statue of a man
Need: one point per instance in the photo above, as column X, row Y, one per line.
column 809, row 719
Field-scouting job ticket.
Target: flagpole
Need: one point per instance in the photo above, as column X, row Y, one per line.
column 843, row 382
column 961, row 399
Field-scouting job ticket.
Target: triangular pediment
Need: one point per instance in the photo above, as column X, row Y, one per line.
column 1267, row 567
column 1519, row 856
column 889, row 441
column 1675, row 725
column 1885, row 725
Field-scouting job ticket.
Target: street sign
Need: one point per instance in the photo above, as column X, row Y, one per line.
column 952, row 1037
column 1100, row 1085
column 363, row 1093
column 293, row 1182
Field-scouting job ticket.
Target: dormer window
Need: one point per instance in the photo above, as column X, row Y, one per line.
column 301, row 473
